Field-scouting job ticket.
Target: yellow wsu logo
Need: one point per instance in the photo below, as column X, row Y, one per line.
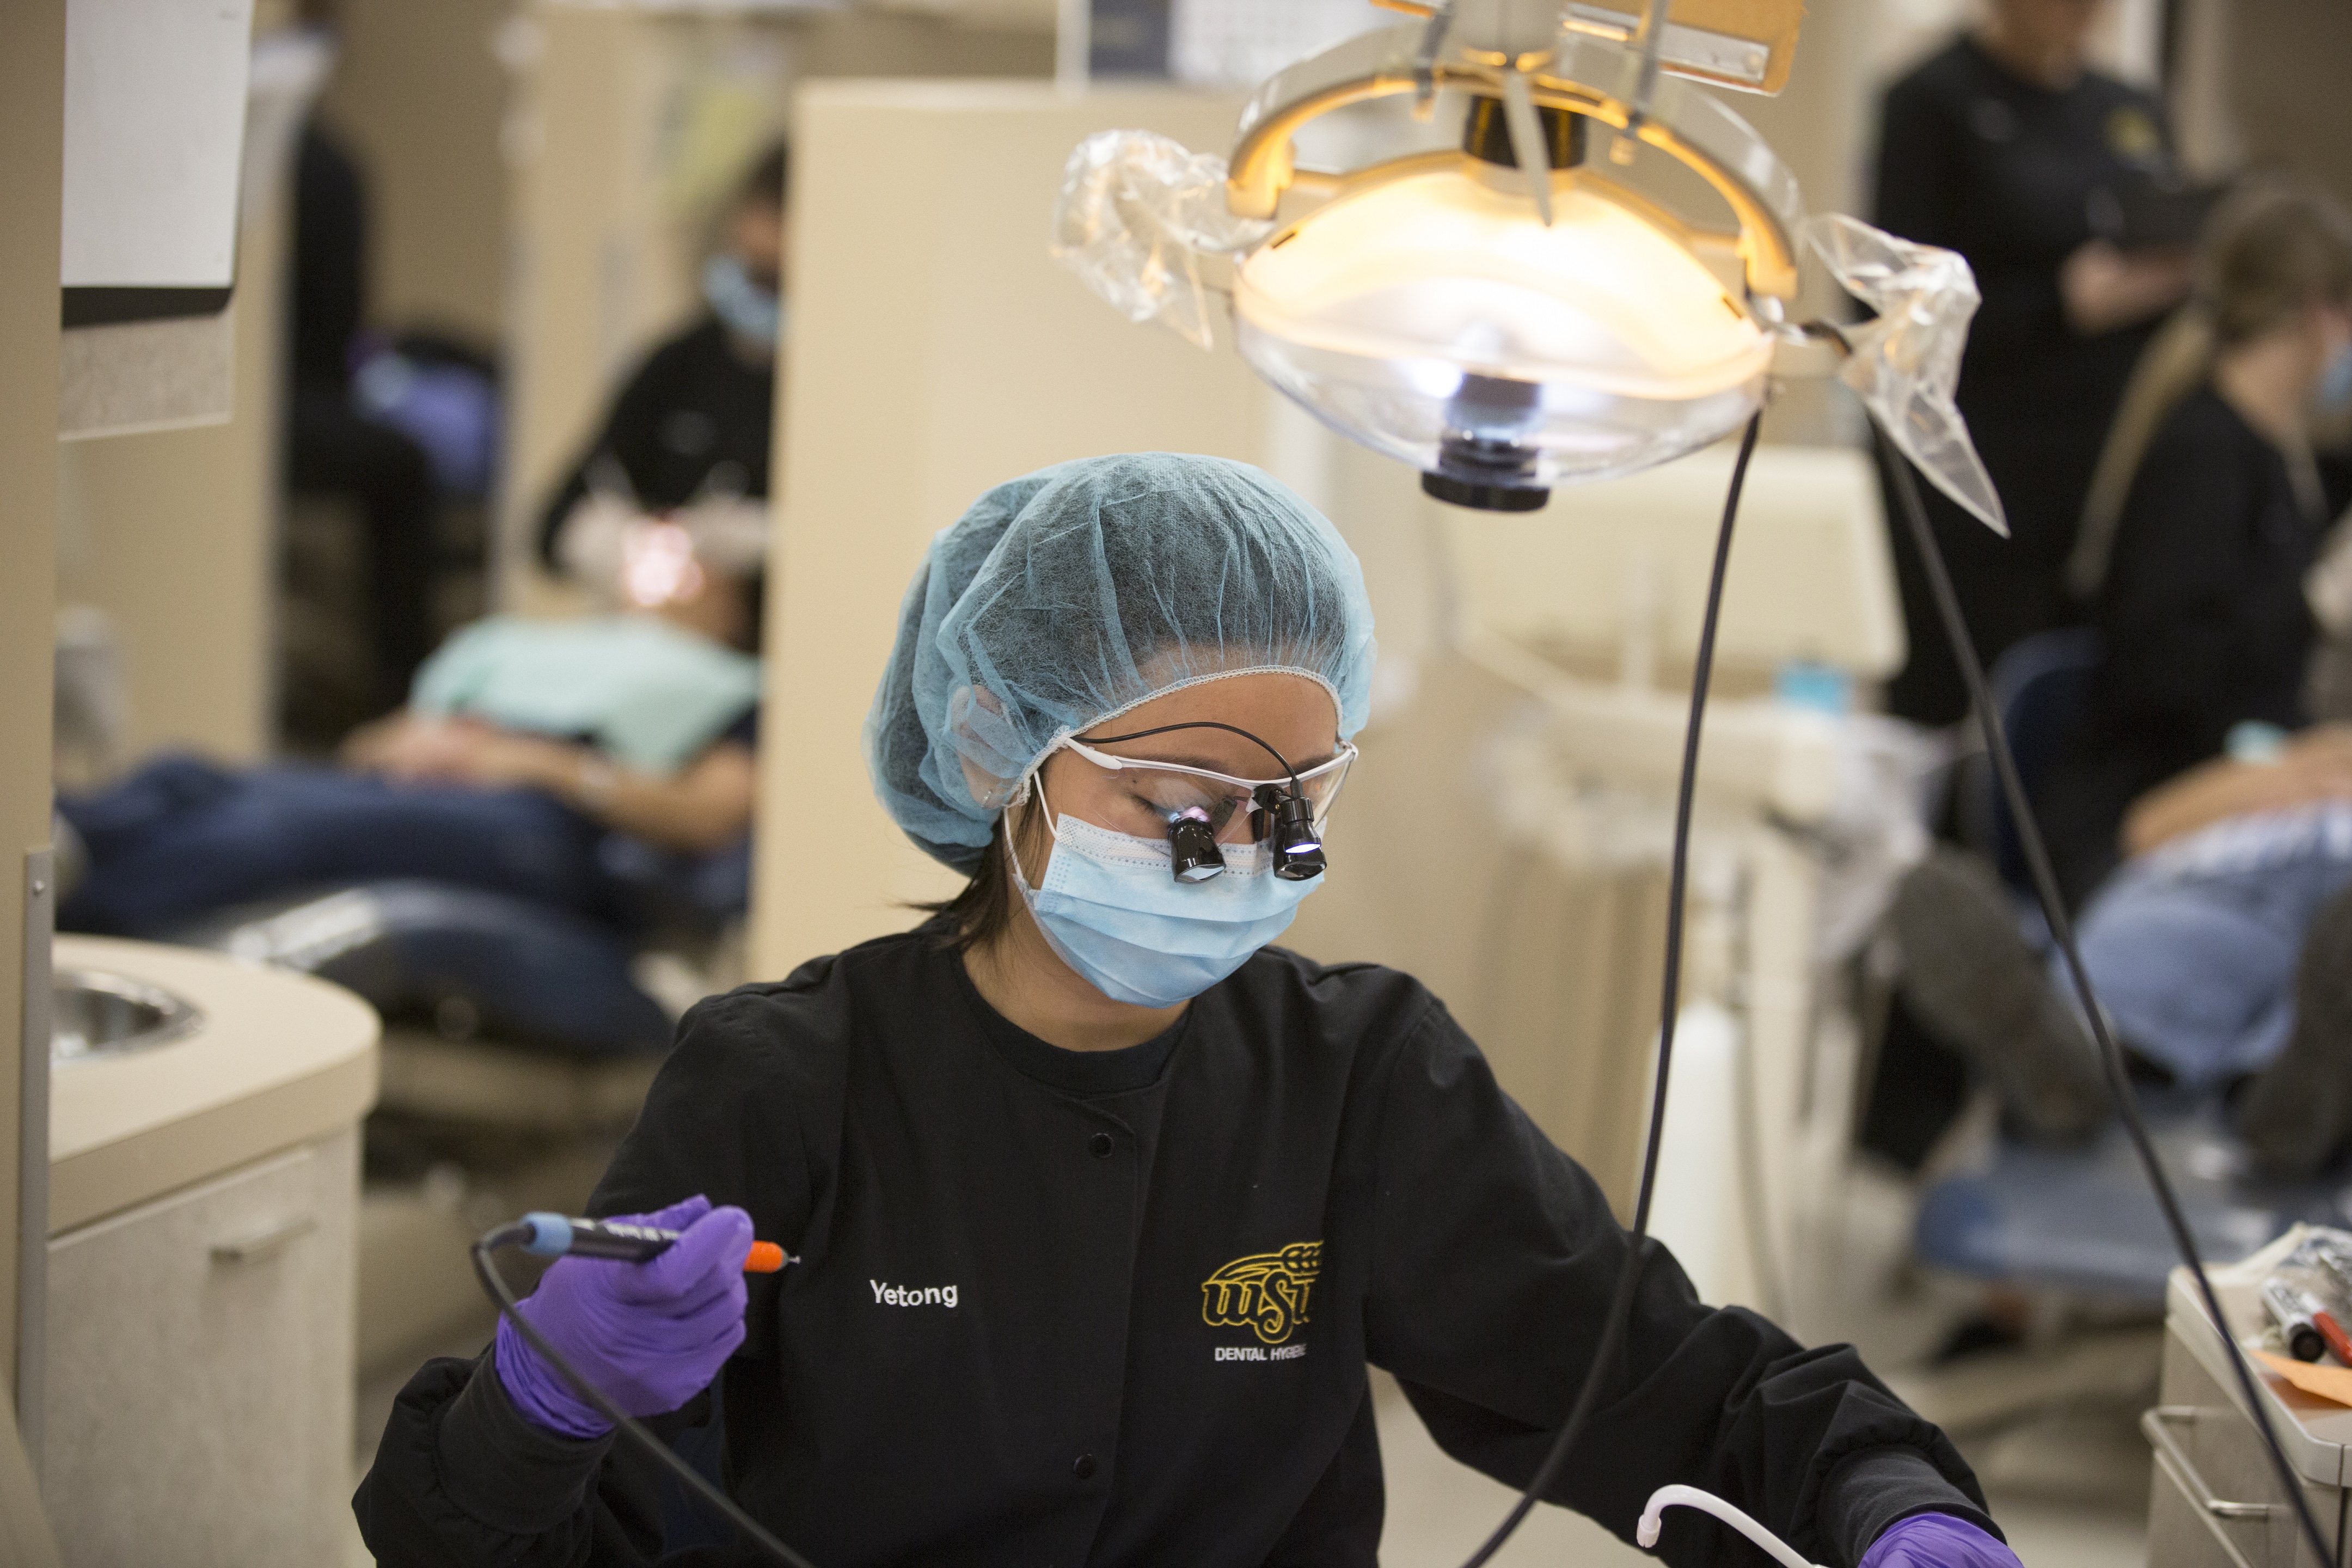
column 1266, row 1292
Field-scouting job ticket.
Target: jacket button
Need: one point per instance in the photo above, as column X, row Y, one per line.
column 1083, row 1467
column 1102, row 1145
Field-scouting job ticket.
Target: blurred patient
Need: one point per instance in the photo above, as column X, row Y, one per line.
column 2220, row 950
column 524, row 745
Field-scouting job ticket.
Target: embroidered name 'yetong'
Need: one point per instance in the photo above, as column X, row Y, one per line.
column 912, row 1295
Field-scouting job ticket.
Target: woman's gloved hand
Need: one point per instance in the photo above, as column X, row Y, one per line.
column 1937, row 1541
column 650, row 1335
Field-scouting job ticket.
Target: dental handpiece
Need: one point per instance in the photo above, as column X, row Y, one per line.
column 557, row 1235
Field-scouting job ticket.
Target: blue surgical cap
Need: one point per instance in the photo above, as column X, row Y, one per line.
column 1070, row 595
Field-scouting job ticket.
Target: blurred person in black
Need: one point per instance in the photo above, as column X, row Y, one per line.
column 2058, row 185
column 2205, row 521
column 332, row 448
column 692, row 426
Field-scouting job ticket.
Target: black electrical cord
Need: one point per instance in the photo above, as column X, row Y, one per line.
column 2061, row 931
column 696, row 1483
column 1629, row 1274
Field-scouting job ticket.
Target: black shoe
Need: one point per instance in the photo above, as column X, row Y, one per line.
column 1973, row 981
column 2297, row 1113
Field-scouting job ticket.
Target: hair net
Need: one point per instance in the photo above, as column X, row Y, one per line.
column 1072, row 594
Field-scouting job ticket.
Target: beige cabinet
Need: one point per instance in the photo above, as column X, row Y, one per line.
column 199, row 1409
column 2215, row 1499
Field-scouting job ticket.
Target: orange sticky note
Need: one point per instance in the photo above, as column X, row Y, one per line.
column 2311, row 1376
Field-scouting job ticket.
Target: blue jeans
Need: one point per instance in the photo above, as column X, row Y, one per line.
column 181, row 836
column 2193, row 947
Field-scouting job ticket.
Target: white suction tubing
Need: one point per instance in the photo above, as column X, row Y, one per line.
column 1664, row 1497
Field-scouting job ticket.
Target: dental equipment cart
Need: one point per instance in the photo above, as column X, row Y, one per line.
column 2214, row 1501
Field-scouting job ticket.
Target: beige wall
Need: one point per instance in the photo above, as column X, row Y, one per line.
column 417, row 95
column 32, row 118
column 2286, row 67
column 173, row 534
column 936, row 351
column 422, row 95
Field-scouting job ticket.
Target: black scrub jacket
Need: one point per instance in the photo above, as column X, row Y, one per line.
column 1056, row 1308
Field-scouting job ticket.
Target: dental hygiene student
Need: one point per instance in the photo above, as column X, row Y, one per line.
column 691, row 428
column 1102, row 1204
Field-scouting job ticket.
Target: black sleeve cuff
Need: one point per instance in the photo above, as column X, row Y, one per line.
column 503, row 1470
column 1871, row 1490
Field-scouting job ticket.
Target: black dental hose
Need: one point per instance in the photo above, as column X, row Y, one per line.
column 696, row 1483
column 2061, row 931
column 1637, row 1258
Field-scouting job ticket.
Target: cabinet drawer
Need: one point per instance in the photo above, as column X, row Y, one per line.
column 2214, row 1464
column 2181, row 1533
column 198, row 1409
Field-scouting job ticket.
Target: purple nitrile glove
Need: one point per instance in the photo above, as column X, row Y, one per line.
column 650, row 1335
column 1937, row 1541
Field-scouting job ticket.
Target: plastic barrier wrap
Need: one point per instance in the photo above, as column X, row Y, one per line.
column 1135, row 213
column 1905, row 364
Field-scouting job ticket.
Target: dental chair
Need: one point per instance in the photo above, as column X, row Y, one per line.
column 2085, row 1220
column 2080, row 1227
column 466, row 978
column 519, row 1041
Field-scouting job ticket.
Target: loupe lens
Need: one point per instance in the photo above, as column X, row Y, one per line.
column 1192, row 849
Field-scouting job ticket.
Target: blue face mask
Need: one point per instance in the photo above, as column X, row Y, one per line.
column 1115, row 914
column 2334, row 389
column 750, row 311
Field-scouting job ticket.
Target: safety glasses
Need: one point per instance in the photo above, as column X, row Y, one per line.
column 1167, row 791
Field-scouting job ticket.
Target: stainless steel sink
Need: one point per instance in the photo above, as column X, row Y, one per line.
column 99, row 1013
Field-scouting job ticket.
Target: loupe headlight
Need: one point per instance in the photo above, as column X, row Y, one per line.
column 1192, row 849
column 1286, row 825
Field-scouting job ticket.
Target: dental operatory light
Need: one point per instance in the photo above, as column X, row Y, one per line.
column 1510, row 311
column 1508, row 316
column 658, row 566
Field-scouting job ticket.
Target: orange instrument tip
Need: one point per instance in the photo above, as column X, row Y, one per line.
column 766, row 1258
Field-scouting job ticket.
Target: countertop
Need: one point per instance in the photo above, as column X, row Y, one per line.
column 2316, row 1432
column 282, row 1059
